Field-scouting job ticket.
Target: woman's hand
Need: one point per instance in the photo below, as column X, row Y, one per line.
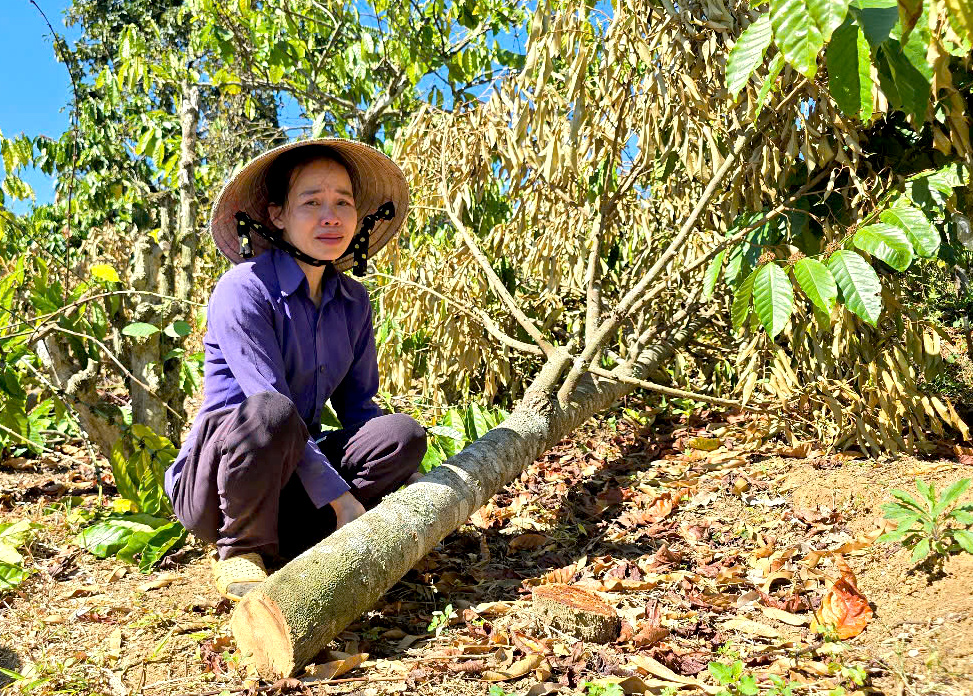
column 346, row 509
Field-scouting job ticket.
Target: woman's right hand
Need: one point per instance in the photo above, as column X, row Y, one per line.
column 346, row 509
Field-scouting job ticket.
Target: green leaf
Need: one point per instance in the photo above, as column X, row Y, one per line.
column 140, row 330
column 165, row 539
column 102, row 271
column 740, row 309
column 817, row 283
column 796, row 33
column 748, row 685
column 107, row 538
column 773, row 298
column 912, row 221
column 477, row 425
column 907, row 500
column 828, row 15
column 747, row 54
column 962, row 516
column 964, row 538
column 773, row 73
column 952, row 494
column 859, row 284
column 11, row 575
column 876, row 18
column 910, row 82
column 713, row 274
column 722, row 673
column 177, row 329
column 927, row 492
column 885, row 242
column 850, row 71
column 920, row 551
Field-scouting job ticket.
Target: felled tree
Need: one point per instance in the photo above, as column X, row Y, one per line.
column 582, row 206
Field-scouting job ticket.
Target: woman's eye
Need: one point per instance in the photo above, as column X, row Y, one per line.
column 312, row 203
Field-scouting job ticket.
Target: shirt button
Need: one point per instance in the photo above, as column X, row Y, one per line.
column 321, row 369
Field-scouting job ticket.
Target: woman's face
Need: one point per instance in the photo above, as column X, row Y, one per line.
column 319, row 216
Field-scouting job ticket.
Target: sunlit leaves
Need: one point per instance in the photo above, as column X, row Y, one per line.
column 773, row 298
column 740, row 309
column 748, row 53
column 849, row 71
column 104, row 272
column 801, row 28
column 140, row 329
column 961, row 16
column 859, row 284
column 713, row 274
column 924, row 237
column 797, row 35
column 816, row 281
column 885, row 242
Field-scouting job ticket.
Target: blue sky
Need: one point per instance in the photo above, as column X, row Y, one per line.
column 34, row 88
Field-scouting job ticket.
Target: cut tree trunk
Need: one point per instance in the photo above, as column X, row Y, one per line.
column 282, row 624
column 576, row 612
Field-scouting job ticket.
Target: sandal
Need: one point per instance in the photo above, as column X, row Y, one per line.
column 237, row 575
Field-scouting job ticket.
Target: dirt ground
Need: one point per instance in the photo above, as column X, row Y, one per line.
column 707, row 548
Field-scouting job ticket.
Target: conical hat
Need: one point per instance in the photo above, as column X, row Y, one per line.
column 377, row 180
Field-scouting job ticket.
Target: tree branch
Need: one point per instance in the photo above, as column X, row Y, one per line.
column 633, row 296
column 671, row 391
column 477, row 314
column 497, row 285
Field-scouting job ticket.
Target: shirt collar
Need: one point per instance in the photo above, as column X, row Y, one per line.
column 290, row 278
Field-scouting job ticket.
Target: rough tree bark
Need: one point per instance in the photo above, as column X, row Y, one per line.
column 282, row 624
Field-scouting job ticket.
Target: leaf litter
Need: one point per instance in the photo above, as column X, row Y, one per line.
column 709, row 549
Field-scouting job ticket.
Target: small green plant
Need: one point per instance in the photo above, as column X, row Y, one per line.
column 140, row 525
column 732, row 678
column 441, row 619
column 596, row 689
column 496, row 690
column 929, row 525
column 455, row 430
column 13, row 536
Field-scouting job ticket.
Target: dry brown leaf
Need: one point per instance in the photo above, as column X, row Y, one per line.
column 335, row 668
column 528, row 542
column 115, row 643
column 117, row 574
column 785, row 616
column 751, row 628
column 706, row 444
column 516, row 670
column 543, row 688
column 160, row 582
column 800, row 451
column 651, row 666
column 844, row 608
column 493, row 608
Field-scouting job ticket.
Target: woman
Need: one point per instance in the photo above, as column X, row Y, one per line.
column 287, row 331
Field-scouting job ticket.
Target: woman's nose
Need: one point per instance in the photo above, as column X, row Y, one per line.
column 329, row 215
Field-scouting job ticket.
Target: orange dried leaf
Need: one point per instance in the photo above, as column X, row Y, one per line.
column 844, row 608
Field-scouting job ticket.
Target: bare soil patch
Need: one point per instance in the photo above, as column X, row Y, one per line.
column 707, row 548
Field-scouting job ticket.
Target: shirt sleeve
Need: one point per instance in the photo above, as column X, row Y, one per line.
column 353, row 398
column 240, row 318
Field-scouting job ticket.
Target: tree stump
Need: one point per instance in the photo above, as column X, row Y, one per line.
column 576, row 612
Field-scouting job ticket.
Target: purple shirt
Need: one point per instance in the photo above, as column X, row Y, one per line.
column 265, row 334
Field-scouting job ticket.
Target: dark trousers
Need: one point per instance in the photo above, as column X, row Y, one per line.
column 238, row 487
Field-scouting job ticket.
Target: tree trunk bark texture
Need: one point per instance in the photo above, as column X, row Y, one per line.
column 281, row 625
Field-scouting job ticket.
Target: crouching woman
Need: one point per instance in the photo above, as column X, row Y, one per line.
column 287, row 330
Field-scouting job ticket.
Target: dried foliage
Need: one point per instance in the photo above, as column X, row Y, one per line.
column 573, row 177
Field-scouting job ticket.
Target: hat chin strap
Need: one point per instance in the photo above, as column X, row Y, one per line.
column 246, row 226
